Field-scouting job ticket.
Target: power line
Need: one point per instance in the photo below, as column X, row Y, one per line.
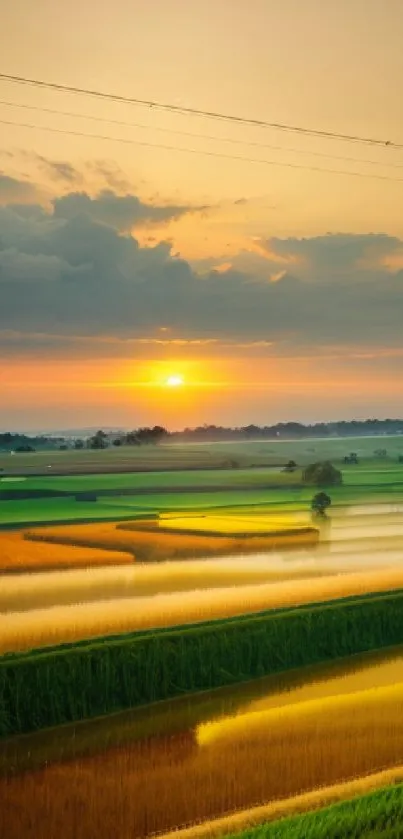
column 198, row 136
column 206, row 153
column 181, row 109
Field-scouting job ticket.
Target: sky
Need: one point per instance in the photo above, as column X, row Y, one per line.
column 261, row 267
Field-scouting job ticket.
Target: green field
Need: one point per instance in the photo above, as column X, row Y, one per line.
column 379, row 814
column 135, row 481
column 200, row 456
column 253, row 500
column 67, row 509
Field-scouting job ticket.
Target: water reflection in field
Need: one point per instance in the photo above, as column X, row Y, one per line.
column 196, row 757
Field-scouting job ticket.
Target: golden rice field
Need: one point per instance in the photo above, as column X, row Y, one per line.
column 19, row 554
column 42, row 590
column 58, row 624
column 146, row 543
column 164, row 781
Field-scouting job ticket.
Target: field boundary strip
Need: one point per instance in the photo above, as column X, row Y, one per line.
column 50, row 688
column 253, row 821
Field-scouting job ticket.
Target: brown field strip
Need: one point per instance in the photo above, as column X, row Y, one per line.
column 161, row 782
column 298, row 804
column 148, row 544
column 20, row 554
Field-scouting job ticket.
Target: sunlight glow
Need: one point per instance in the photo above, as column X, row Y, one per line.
column 174, row 381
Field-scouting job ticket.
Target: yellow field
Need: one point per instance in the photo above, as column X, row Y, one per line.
column 230, row 524
column 145, row 542
column 41, row 627
column 166, row 781
column 18, row 553
column 19, row 592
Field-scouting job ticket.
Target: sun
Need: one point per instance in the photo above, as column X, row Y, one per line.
column 174, row 381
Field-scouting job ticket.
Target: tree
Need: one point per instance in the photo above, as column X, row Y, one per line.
column 290, row 466
column 98, row 441
column 351, row 458
column 320, row 502
column 322, row 474
column 78, row 444
column 131, row 439
column 151, row 435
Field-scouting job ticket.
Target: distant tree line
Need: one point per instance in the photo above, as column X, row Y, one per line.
column 206, row 433
column 27, row 442
column 291, row 430
column 139, row 437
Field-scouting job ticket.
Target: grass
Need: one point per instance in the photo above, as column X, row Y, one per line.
column 147, row 457
column 183, row 480
column 103, row 676
column 377, row 815
column 23, row 511
column 62, row 624
column 17, row 554
column 160, row 783
column 37, row 510
column 170, row 480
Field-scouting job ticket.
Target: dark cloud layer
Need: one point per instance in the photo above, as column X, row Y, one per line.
column 122, row 212
column 76, row 271
column 15, row 189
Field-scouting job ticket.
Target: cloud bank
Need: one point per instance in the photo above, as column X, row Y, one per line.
column 77, row 270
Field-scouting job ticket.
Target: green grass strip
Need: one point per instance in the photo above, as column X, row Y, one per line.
column 369, row 816
column 53, row 687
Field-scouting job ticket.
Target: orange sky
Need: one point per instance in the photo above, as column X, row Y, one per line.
column 331, row 66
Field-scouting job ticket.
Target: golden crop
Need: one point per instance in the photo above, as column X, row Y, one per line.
column 41, row 627
column 165, row 781
column 19, row 554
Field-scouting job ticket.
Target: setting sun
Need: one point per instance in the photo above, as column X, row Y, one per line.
column 174, row 381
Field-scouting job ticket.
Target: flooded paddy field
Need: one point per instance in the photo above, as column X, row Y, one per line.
column 360, row 550
column 201, row 756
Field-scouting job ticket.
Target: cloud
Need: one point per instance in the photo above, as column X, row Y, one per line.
column 112, row 175
column 70, row 272
column 122, row 212
column 60, row 170
column 15, row 189
column 333, row 255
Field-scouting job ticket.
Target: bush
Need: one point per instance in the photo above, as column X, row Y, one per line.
column 322, row 473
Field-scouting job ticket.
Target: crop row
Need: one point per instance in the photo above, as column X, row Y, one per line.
column 48, row 688
column 379, row 814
